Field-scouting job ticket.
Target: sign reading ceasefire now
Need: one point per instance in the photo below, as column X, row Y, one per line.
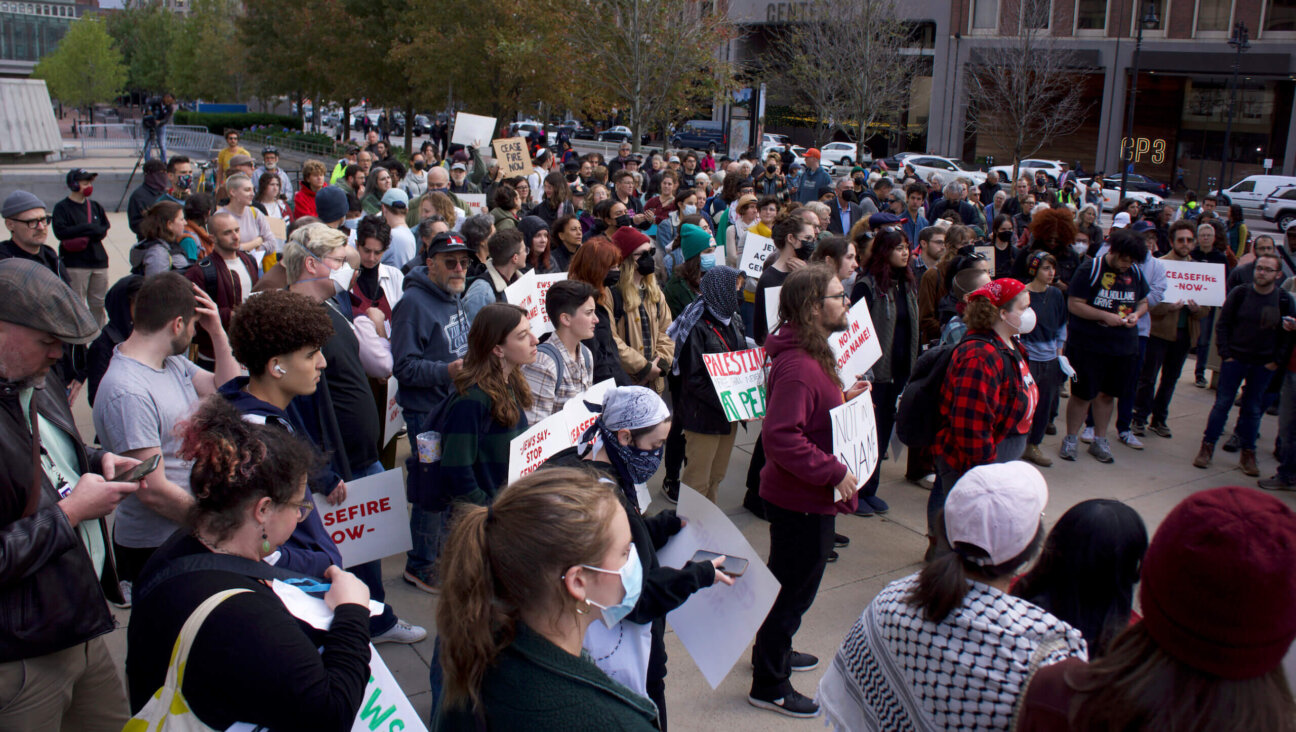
column 372, row 522
column 512, row 156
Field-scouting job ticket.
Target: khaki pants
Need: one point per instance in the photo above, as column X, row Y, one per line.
column 707, row 458
column 74, row 689
column 91, row 285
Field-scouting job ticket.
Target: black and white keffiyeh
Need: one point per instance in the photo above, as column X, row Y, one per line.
column 719, row 296
column 898, row 671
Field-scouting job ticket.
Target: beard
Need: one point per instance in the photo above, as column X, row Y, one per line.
column 180, row 345
column 840, row 325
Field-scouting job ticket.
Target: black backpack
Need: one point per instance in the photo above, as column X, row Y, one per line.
column 918, row 415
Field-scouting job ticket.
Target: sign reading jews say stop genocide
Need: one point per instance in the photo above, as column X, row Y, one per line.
column 1201, row 282
column 855, row 349
column 512, row 155
column 739, row 379
column 855, row 437
column 554, row 433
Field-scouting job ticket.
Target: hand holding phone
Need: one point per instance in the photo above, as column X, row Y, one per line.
column 138, row 472
column 732, row 566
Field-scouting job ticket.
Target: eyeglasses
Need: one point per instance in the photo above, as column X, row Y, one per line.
column 339, row 261
column 841, row 296
column 1266, row 269
column 452, row 264
column 303, row 509
column 36, row 223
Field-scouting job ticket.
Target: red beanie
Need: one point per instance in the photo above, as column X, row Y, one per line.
column 1219, row 582
column 628, row 239
column 1000, row 291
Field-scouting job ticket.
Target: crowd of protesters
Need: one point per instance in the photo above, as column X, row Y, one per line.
column 248, row 354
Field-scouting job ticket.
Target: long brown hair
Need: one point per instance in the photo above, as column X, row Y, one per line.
column 507, row 390
column 800, row 303
column 942, row 584
column 512, row 555
column 1138, row 686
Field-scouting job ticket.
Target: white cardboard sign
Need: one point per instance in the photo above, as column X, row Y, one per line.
column 771, row 307
column 372, row 522
column 739, row 381
column 539, row 443
column 476, row 202
column 855, row 437
column 756, row 250
column 855, row 349
column 473, row 130
column 579, row 417
column 717, row 624
column 529, row 293
column 1201, row 282
column 393, row 417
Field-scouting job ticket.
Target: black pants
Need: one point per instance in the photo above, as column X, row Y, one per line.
column 1168, row 358
column 884, row 408
column 752, row 501
column 799, row 547
column 675, row 438
column 1048, row 377
column 130, row 561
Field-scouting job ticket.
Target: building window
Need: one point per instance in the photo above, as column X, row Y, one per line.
column 1036, row 14
column 1280, row 16
column 1140, row 10
column 1091, row 15
column 985, row 14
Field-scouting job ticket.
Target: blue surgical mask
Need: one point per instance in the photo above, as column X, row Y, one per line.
column 352, row 223
column 708, row 261
column 690, row 210
column 631, row 582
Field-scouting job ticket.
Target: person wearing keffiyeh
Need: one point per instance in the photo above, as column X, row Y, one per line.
column 710, row 324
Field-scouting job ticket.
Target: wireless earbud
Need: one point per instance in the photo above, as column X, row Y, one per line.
column 280, row 370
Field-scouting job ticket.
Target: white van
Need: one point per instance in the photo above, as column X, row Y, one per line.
column 1250, row 192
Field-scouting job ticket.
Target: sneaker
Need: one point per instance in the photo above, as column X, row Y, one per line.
column 878, row 505
column 793, row 705
column 832, row 557
column 1069, row 448
column 1065, row 391
column 1276, row 483
column 1233, row 444
column 401, row 632
column 1101, row 450
column 125, row 588
column 926, row 482
column 1034, row 455
column 1050, row 429
column 1086, row 435
column 670, row 489
column 1160, row 428
column 1138, row 427
column 804, row 661
column 1201, row 382
column 841, row 541
column 424, row 582
column 1129, row 439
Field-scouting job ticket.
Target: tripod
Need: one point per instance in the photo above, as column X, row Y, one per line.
column 152, row 141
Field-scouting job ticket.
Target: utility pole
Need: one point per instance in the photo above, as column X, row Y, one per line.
column 1147, row 20
column 1239, row 42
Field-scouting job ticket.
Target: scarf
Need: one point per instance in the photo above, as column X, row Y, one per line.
column 719, row 297
column 625, row 408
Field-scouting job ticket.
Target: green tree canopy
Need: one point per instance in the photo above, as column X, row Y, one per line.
column 86, row 67
column 143, row 31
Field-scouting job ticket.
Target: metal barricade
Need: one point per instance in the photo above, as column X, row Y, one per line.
column 192, row 140
column 109, row 137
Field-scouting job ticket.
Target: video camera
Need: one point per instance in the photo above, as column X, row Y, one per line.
column 156, row 112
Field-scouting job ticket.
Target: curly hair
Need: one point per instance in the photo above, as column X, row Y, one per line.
column 980, row 314
column 276, row 323
column 1053, row 224
column 313, row 167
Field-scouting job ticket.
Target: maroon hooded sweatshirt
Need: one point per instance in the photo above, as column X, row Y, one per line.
column 800, row 469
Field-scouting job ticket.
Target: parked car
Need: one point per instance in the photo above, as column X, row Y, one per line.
column 422, row 125
column 945, row 169
column 1051, row 168
column 773, row 139
column 798, row 152
column 574, row 130
column 1111, row 193
column 1280, row 207
column 700, row 134
column 843, row 153
column 1137, row 182
column 619, row 133
column 1251, row 191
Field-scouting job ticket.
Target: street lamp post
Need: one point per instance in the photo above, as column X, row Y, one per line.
column 1149, row 19
column 1239, row 42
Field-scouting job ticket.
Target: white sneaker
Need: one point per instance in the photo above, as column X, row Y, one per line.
column 125, row 588
column 401, row 632
column 1129, row 439
column 1086, row 435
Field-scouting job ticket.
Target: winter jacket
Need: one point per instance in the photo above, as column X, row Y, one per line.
column 140, row 201
column 485, row 289
column 800, row 469
column 429, row 331
column 505, row 219
column 698, row 407
column 304, row 203
column 984, row 399
column 678, row 295
column 71, row 222
column 475, row 448
column 629, row 331
column 882, row 308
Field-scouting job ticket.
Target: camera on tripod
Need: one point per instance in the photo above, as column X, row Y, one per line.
column 157, row 111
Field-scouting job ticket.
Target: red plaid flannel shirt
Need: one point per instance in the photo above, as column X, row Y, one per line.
column 982, row 402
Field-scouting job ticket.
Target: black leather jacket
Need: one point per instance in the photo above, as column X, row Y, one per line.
column 50, row 598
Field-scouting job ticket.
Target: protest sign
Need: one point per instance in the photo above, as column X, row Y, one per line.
column 771, row 307
column 757, row 249
column 528, row 293
column 987, row 251
column 476, row 202
column 1201, row 282
column 717, row 624
column 372, row 522
column 512, row 156
column 472, row 129
column 278, row 227
column 579, row 417
column 739, row 380
column 855, row 438
column 855, row 349
column 540, row 442
column 393, row 418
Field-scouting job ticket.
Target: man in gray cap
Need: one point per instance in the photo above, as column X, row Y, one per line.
column 29, row 225
column 54, row 493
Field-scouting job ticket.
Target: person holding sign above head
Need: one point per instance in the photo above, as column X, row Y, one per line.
column 523, row 582
column 641, row 313
column 251, row 660
column 564, row 366
column 626, row 442
column 803, row 484
column 711, row 324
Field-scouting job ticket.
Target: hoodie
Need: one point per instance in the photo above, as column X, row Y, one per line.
column 117, row 304
column 309, row 549
column 800, row 470
column 429, row 331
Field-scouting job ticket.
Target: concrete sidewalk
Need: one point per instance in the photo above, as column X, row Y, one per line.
column 882, row 548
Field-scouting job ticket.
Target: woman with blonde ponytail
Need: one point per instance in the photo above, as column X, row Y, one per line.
column 521, row 582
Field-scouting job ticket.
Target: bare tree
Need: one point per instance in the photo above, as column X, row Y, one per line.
column 651, row 58
column 1026, row 89
column 846, row 59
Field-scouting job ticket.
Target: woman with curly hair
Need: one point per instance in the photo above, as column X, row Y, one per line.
column 314, row 178
column 1052, row 231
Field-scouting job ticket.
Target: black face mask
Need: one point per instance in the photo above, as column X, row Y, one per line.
column 1003, row 235
column 804, row 251
column 645, row 264
column 419, row 165
column 769, row 169
column 571, row 177
column 624, row 220
column 612, row 278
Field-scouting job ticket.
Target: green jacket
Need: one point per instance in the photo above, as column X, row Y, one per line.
column 678, row 295
column 537, row 686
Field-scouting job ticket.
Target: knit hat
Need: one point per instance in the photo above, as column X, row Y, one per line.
column 628, row 239
column 693, row 240
column 1218, row 590
column 330, row 204
column 19, row 201
column 1000, row 291
column 530, row 226
column 996, row 508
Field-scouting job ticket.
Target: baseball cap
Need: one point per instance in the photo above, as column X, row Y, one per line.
column 996, row 508
column 883, row 218
column 44, row 302
column 1142, row 227
column 458, row 166
column 461, row 156
column 447, row 241
column 1121, row 220
column 353, row 149
column 674, row 159
column 79, row 174
column 395, row 198
column 579, row 190
column 812, row 153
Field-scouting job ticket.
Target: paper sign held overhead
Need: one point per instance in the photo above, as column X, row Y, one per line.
column 855, row 349
column 372, row 522
column 855, row 437
column 472, row 129
column 513, row 157
column 739, row 380
column 756, row 250
column 1201, row 282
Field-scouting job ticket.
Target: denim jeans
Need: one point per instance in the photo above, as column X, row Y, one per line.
column 1204, row 341
column 1167, row 357
column 1232, row 374
column 370, row 573
column 1287, row 429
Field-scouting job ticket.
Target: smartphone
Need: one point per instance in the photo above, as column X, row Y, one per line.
column 733, row 566
column 139, row 471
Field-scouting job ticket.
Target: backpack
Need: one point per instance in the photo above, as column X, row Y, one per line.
column 552, row 351
column 918, row 415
